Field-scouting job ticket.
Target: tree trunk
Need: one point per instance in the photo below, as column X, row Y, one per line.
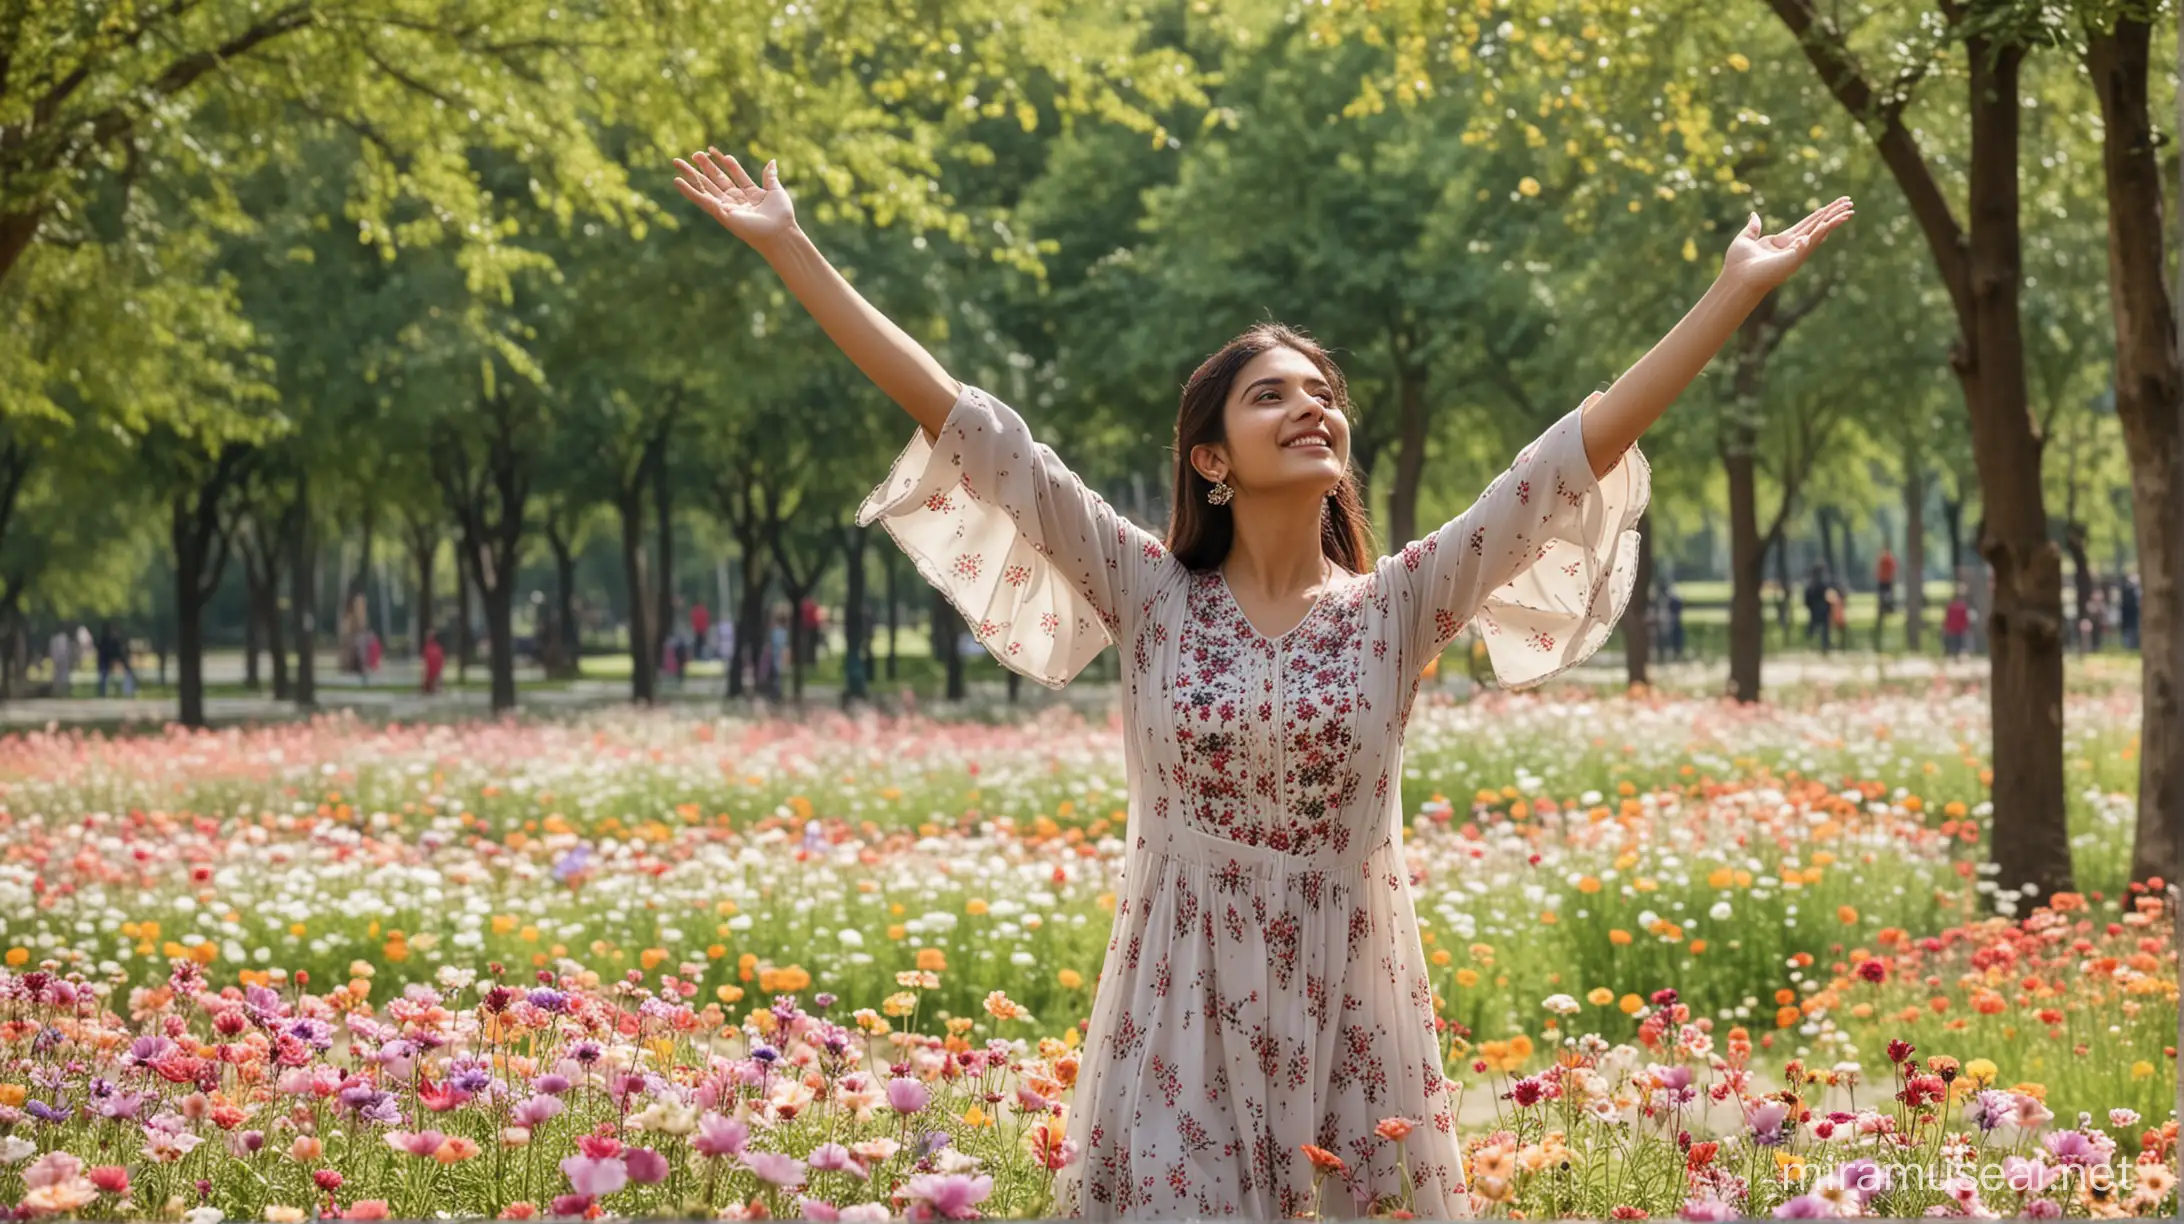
column 565, row 612
column 189, row 607
column 1913, row 570
column 251, row 604
column 1637, row 633
column 2030, row 834
column 663, row 578
column 466, row 646
column 644, row 657
column 947, row 641
column 1747, row 562
column 1952, row 515
column 424, row 545
column 1410, row 454
column 303, row 581
column 1824, row 518
column 856, row 652
column 890, row 557
column 500, row 625
column 2150, row 406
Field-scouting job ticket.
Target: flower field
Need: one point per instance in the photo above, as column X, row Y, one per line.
column 1691, row 959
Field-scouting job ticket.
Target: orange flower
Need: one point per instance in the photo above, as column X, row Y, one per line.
column 1322, row 1159
column 1397, row 1129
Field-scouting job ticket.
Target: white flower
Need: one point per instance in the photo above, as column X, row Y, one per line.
column 15, row 1149
column 1561, row 1005
column 952, row 1159
column 2123, row 1118
column 202, row 1215
column 1720, row 912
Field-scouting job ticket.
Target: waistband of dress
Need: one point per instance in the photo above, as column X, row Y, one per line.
column 1199, row 846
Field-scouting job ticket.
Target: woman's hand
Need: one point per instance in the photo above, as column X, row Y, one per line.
column 1762, row 261
column 757, row 214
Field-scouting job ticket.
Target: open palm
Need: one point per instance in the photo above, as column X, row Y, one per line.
column 753, row 212
column 1766, row 260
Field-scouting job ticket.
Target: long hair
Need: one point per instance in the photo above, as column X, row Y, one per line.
column 1200, row 533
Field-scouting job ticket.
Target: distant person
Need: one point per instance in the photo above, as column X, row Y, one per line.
column 61, row 649
column 113, row 655
column 1884, row 588
column 435, row 662
column 2127, row 611
column 1956, row 623
column 1818, row 624
column 700, row 621
column 1838, row 618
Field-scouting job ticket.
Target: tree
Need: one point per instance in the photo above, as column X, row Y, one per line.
column 2149, row 391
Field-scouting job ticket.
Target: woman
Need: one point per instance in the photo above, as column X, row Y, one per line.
column 1265, row 987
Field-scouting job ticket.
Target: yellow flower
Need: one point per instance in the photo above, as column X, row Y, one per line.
column 1600, row 996
column 1467, row 978
column 1980, row 1071
column 1738, row 61
column 1528, row 186
column 2141, row 1069
column 1070, row 979
column 1631, row 1004
column 975, row 906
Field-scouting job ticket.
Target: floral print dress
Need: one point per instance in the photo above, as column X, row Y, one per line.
column 1264, row 985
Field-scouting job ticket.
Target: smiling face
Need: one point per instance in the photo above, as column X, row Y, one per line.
column 1282, row 431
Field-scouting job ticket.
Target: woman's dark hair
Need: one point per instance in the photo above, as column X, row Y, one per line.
column 1199, row 533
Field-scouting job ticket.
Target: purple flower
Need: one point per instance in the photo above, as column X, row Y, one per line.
column 951, row 1195
column 551, row 1084
column 784, row 1171
column 595, row 1177
column 1863, row 1177
column 719, row 1136
column 1990, row 1108
column 2072, row 1148
column 1805, row 1207
column 907, row 1096
column 148, row 1050
column 586, row 1052
column 548, row 1000
column 48, row 1113
column 646, row 1167
column 572, row 862
column 1709, row 1210
column 2041, row 1209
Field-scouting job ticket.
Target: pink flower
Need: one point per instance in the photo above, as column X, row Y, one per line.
column 416, row 1143
column 907, row 1096
column 951, row 1196
column 366, row 1209
column 720, row 1136
column 595, row 1176
column 835, row 1157
column 52, row 1169
column 571, row 1204
column 646, row 1167
column 781, row 1170
column 818, row 1209
column 536, row 1110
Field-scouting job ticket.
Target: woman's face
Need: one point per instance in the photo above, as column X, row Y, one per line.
column 1284, row 433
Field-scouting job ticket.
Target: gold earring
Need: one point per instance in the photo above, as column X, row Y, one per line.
column 1220, row 493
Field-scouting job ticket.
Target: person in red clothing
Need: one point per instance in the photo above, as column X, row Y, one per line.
column 435, row 661
column 700, row 621
column 1955, row 623
column 1884, row 587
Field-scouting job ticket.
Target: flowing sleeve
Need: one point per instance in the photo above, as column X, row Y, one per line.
column 1544, row 561
column 1043, row 570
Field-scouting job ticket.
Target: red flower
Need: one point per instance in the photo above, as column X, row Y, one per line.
column 1899, row 1049
column 1872, row 970
column 1322, row 1159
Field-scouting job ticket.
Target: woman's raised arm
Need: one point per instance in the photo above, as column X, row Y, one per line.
column 762, row 216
